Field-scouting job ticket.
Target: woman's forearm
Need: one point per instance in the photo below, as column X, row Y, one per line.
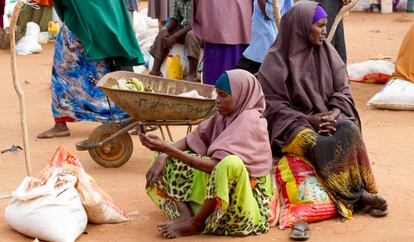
column 181, row 144
column 335, row 112
column 205, row 165
column 177, row 150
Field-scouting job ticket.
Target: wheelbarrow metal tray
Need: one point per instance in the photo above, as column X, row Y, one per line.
column 163, row 104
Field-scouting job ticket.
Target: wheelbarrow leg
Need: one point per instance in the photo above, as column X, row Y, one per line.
column 169, row 133
column 189, row 129
column 162, row 132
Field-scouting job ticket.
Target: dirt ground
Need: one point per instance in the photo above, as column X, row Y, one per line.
column 388, row 136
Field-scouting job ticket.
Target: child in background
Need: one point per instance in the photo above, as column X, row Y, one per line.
column 160, row 9
column 178, row 30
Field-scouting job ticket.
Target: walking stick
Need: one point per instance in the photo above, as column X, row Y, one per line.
column 276, row 12
column 17, row 86
column 345, row 9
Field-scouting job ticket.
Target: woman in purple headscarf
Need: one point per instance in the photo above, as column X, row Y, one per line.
column 217, row 179
column 311, row 112
column 224, row 27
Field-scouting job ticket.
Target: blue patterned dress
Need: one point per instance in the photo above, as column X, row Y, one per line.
column 75, row 96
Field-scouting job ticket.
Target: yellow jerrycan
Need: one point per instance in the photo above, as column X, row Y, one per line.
column 53, row 30
column 174, row 68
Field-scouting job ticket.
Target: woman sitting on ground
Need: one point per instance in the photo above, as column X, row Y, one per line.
column 311, row 112
column 404, row 65
column 217, row 179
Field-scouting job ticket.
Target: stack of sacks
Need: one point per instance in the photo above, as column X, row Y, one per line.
column 397, row 94
column 372, row 71
column 8, row 12
column 57, row 204
column 146, row 30
column 29, row 43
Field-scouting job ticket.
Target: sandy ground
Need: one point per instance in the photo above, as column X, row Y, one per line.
column 388, row 135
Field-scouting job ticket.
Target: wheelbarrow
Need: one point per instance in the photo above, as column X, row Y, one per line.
column 110, row 145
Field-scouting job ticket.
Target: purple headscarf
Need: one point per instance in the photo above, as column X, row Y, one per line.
column 320, row 13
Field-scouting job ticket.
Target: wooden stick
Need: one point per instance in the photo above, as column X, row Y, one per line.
column 4, row 197
column 345, row 9
column 17, row 86
column 276, row 12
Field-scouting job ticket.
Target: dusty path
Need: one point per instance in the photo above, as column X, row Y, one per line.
column 388, row 135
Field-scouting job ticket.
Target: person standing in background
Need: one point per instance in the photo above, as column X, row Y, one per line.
column 160, row 9
column 404, row 64
column 224, row 27
column 332, row 8
column 263, row 33
column 2, row 5
column 131, row 5
column 41, row 16
column 96, row 38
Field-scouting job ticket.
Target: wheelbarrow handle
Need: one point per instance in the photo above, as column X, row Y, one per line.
column 84, row 145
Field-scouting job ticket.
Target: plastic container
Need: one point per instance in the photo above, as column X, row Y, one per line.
column 53, row 30
column 386, row 6
column 174, row 67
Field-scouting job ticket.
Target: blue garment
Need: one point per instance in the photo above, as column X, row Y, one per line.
column 223, row 83
column 264, row 31
column 75, row 96
column 131, row 5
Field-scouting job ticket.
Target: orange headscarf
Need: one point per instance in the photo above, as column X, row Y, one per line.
column 404, row 66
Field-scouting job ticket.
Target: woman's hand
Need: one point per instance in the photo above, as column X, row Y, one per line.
column 328, row 122
column 316, row 120
column 154, row 143
column 328, row 125
column 157, row 170
column 169, row 42
column 325, row 123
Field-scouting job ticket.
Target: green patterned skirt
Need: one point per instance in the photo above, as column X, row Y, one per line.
column 242, row 202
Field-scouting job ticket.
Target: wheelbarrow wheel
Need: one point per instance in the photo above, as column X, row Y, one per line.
column 114, row 153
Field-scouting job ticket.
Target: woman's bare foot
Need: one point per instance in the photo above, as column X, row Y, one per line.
column 185, row 214
column 181, row 227
column 176, row 220
column 59, row 130
column 192, row 77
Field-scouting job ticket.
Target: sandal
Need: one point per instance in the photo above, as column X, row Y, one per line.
column 300, row 232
